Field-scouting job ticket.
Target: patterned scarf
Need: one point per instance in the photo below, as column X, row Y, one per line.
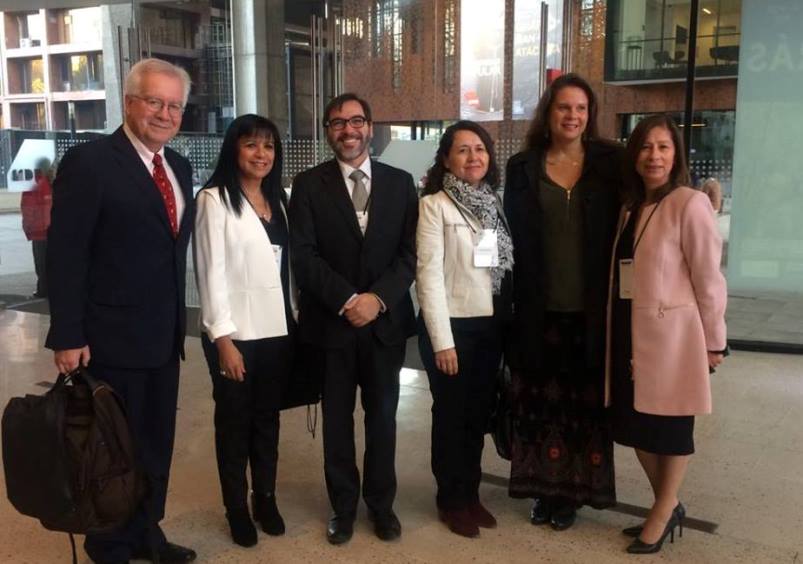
column 481, row 202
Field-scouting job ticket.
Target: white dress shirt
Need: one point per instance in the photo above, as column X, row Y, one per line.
column 346, row 171
column 147, row 157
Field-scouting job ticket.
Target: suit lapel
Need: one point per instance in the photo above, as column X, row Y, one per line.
column 379, row 200
column 335, row 189
column 134, row 167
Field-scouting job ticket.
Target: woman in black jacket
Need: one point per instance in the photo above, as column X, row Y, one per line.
column 561, row 200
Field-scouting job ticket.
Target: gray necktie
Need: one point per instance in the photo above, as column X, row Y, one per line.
column 359, row 196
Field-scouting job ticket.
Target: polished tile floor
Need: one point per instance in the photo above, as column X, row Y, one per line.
column 745, row 482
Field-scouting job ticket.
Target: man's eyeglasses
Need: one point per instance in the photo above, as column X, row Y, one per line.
column 156, row 105
column 339, row 123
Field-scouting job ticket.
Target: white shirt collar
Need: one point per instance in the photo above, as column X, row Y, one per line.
column 145, row 154
column 347, row 169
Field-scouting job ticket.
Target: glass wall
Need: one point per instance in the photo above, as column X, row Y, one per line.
column 649, row 39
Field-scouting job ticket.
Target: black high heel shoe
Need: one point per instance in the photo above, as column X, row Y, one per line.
column 635, row 531
column 638, row 546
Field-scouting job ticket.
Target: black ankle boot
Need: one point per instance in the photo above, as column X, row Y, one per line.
column 267, row 514
column 242, row 528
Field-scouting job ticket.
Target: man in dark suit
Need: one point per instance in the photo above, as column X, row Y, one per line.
column 352, row 239
column 121, row 221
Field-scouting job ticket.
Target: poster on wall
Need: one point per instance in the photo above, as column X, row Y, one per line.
column 527, row 52
column 482, row 59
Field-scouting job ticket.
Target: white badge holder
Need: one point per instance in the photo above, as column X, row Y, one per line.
column 486, row 252
column 626, row 279
column 277, row 254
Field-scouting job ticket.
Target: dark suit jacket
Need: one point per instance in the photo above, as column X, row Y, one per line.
column 599, row 187
column 332, row 260
column 118, row 274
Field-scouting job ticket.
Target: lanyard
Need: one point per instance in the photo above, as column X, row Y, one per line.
column 643, row 229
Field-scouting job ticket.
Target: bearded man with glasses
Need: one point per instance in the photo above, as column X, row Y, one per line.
column 352, row 242
column 122, row 214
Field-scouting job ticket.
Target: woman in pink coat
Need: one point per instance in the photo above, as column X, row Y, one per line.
column 667, row 319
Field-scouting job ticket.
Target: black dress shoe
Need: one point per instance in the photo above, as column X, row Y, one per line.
column 386, row 526
column 242, row 528
column 541, row 511
column 563, row 517
column 169, row 553
column 339, row 530
column 638, row 546
column 267, row 514
column 635, row 531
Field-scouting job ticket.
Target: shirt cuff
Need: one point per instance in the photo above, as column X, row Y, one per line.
column 348, row 301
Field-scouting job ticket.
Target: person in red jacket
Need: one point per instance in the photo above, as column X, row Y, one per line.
column 35, row 206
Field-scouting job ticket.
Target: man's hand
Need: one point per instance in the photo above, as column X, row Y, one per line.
column 68, row 360
column 362, row 310
column 715, row 359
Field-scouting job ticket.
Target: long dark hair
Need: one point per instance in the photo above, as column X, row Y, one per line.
column 539, row 136
column 434, row 180
column 679, row 176
column 227, row 172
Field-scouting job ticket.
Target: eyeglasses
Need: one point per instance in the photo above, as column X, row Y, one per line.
column 156, row 105
column 339, row 123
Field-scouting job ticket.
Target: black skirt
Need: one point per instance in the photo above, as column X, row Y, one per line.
column 658, row 434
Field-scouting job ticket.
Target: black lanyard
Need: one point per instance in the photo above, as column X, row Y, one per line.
column 643, row 229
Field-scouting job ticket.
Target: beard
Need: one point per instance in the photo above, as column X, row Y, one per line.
column 347, row 154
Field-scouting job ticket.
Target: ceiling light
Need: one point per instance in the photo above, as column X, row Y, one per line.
column 707, row 11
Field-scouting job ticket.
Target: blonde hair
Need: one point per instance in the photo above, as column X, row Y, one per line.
column 133, row 80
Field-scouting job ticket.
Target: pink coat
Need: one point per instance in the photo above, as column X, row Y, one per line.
column 679, row 299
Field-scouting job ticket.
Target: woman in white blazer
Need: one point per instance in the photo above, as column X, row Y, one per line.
column 463, row 281
column 247, row 316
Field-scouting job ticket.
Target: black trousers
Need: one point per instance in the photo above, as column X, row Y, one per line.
column 374, row 367
column 150, row 399
column 247, row 416
column 39, row 249
column 461, row 407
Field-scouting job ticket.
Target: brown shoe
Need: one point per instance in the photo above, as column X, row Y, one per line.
column 482, row 517
column 460, row 522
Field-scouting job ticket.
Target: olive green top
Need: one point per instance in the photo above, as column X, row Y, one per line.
column 563, row 245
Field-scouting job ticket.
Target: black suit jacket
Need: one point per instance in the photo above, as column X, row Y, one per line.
column 332, row 260
column 118, row 273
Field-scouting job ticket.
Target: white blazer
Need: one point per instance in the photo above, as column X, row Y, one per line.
column 237, row 274
column 447, row 282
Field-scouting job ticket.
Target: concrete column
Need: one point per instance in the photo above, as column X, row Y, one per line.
column 113, row 16
column 260, row 78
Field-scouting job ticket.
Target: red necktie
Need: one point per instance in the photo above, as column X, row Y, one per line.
column 166, row 190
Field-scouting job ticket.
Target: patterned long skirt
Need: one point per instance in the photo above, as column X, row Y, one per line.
column 562, row 445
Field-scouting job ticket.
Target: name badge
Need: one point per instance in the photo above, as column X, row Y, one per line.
column 277, row 254
column 486, row 252
column 362, row 220
column 626, row 279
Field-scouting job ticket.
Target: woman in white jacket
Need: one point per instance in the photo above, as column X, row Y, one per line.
column 247, row 316
column 463, row 281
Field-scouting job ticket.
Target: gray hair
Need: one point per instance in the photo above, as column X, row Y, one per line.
column 133, row 79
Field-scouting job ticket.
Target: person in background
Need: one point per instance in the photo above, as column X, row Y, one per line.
column 561, row 200
column 463, row 281
column 35, row 206
column 713, row 189
column 247, row 301
column 667, row 320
